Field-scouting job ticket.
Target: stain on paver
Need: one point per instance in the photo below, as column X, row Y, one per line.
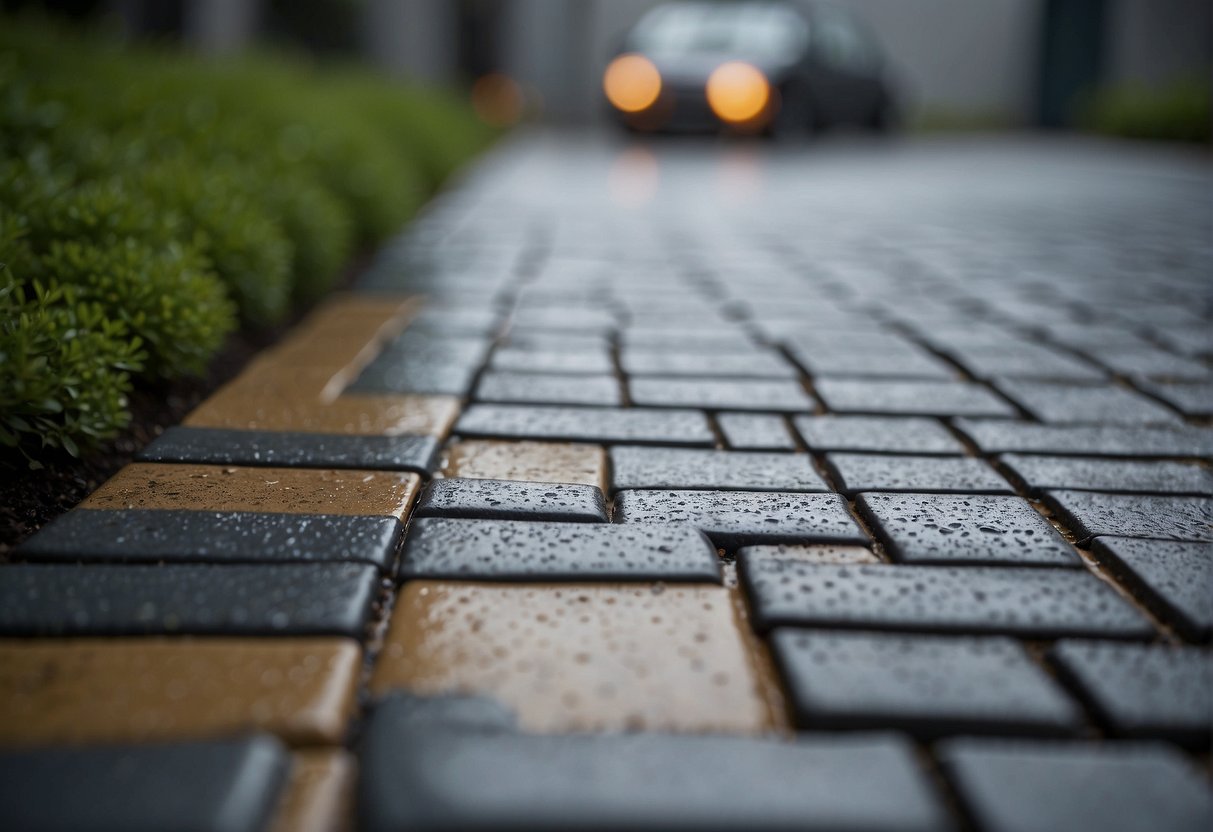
column 233, row 785
column 588, row 657
column 527, row 462
column 141, row 690
column 228, row 488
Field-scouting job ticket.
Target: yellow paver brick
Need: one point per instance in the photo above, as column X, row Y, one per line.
column 528, row 461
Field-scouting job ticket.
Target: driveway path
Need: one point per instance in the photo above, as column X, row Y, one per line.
column 679, row 485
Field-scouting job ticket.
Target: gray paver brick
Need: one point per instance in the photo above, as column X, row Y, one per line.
column 580, row 361
column 947, row 528
column 882, row 472
column 965, row 600
column 683, row 468
column 1004, row 436
column 1172, row 577
column 1040, row 473
column 1150, row 691
column 587, row 424
column 1090, row 514
column 1037, row 787
column 738, row 518
column 755, row 432
column 529, row 551
column 877, row 434
column 925, row 684
column 910, row 398
column 548, row 388
column 747, row 365
column 1073, row 403
column 510, row 500
column 720, row 394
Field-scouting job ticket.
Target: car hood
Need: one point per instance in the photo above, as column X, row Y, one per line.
column 694, row 68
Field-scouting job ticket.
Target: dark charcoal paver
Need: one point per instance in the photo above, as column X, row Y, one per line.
column 720, row 394
column 1139, row 690
column 587, row 424
column 581, row 361
column 880, row 472
column 492, row 777
column 902, row 363
column 518, row 551
column 182, row 536
column 224, row 786
column 737, row 518
column 1039, row 473
column 643, row 467
column 545, row 388
column 509, row 500
column 755, row 432
column 424, row 362
column 1075, row 403
column 1192, row 399
column 186, row 599
column 749, row 365
column 877, row 434
column 1025, row 360
column 1090, row 514
column 942, row 528
column 1035, row 603
column 1038, row 787
column 927, row 685
column 1001, row 436
column 910, row 398
column 222, row 446
column 1173, row 578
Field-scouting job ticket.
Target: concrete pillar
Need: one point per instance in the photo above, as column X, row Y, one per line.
column 416, row 38
column 220, row 26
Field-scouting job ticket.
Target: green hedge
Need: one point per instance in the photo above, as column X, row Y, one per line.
column 151, row 202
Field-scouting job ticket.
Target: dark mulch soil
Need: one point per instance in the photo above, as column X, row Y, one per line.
column 31, row 499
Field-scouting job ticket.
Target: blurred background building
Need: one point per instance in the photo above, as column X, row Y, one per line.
column 961, row 63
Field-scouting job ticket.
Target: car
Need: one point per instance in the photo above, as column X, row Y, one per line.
column 781, row 68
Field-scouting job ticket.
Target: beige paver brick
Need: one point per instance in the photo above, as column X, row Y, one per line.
column 581, row 657
column 148, row 689
column 286, row 490
column 318, row 795
column 822, row 553
column 382, row 415
column 528, row 461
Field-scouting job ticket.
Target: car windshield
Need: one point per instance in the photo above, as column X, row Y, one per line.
column 762, row 30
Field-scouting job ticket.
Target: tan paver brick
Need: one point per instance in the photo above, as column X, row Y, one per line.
column 386, row 415
column 528, row 461
column 318, row 796
column 581, row 657
column 285, row 490
column 819, row 553
column 148, row 689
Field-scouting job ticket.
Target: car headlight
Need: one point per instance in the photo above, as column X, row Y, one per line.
column 631, row 83
column 738, row 92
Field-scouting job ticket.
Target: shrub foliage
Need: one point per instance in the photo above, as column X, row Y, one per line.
column 151, row 202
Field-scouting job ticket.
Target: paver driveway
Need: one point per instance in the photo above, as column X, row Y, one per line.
column 844, row 486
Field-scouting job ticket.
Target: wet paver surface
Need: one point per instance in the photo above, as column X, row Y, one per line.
column 683, row 485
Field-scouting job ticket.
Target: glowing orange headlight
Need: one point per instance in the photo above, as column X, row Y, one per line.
column 631, row 83
column 738, row 92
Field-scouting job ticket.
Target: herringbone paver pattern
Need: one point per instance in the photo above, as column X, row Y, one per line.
column 674, row 487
